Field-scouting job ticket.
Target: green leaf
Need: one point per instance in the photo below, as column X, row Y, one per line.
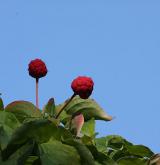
column 39, row 130
column 23, row 110
column 132, row 161
column 112, row 145
column 54, row 152
column 61, row 134
column 1, row 105
column 18, row 157
column 105, row 160
column 101, row 157
column 97, row 163
column 119, row 154
column 84, row 152
column 88, row 128
column 129, row 149
column 50, row 107
column 117, row 147
column 101, row 144
column 116, row 142
column 88, row 107
column 8, row 123
column 140, row 150
column 113, row 142
column 32, row 160
column 87, row 140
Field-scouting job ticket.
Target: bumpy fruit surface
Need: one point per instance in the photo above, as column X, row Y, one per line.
column 37, row 68
column 83, row 86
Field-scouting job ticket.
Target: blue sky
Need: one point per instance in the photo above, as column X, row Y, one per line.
column 117, row 43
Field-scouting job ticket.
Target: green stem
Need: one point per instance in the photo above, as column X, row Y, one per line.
column 65, row 105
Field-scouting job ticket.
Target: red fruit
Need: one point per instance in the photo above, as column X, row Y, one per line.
column 37, row 68
column 83, row 86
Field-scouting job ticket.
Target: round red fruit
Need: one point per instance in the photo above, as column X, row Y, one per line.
column 37, row 68
column 83, row 86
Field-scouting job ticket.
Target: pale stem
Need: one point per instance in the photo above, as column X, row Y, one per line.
column 37, row 103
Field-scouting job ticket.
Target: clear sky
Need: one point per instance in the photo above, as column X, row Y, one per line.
column 117, row 43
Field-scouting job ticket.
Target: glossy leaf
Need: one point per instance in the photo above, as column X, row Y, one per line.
column 101, row 157
column 101, row 144
column 23, row 110
column 85, row 154
column 61, row 134
column 117, row 148
column 113, row 142
column 119, row 154
column 88, row 128
column 112, row 145
column 87, row 140
column 132, row 161
column 8, row 123
column 50, row 107
column 38, row 130
column 116, row 142
column 131, row 150
column 88, row 107
column 140, row 150
column 54, row 152
column 19, row 157
column 105, row 160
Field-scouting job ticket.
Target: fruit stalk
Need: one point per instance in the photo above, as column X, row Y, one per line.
column 37, row 101
column 37, row 69
column 65, row 105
